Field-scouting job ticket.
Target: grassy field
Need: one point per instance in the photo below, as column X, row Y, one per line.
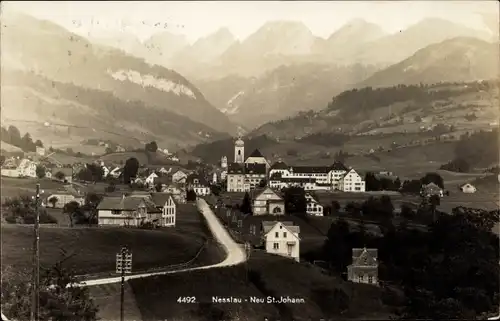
column 156, row 297
column 93, row 249
column 13, row 187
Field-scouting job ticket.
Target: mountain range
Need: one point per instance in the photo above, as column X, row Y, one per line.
column 43, row 49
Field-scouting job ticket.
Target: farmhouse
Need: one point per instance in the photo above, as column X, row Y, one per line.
column 127, row 211
column 313, row 206
column 282, row 238
column 64, row 197
column 15, row 168
column 267, row 202
column 179, row 177
column 364, row 267
column 199, row 184
column 166, row 203
column 468, row 188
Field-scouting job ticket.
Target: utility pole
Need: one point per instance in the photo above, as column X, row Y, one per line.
column 36, row 259
column 248, row 250
column 123, row 265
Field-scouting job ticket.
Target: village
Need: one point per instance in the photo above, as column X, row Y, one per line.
column 249, row 195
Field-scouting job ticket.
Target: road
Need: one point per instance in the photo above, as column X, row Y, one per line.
column 235, row 253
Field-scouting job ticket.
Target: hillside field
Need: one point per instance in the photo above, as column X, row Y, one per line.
column 93, row 249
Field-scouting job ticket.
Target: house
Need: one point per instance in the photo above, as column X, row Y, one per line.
column 282, row 238
column 127, row 211
column 178, row 193
column 364, row 267
column 63, row 198
column 166, row 203
column 431, row 189
column 199, row 184
column 267, row 202
column 115, row 172
column 163, row 170
column 151, row 178
column 223, row 162
column 468, row 188
column 64, row 174
column 352, row 182
column 139, row 180
column 105, row 171
column 313, row 206
column 236, row 178
column 179, row 177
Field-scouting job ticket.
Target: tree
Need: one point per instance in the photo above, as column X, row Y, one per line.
column 53, row 200
column 335, row 207
column 38, row 143
column 130, row 169
column 27, row 143
column 108, row 150
column 151, row 147
column 40, row 171
column 14, row 136
column 433, row 178
column 72, row 209
column 21, row 210
column 246, row 206
column 457, row 165
column 158, row 187
column 190, row 195
column 60, row 300
column 262, row 183
column 295, row 200
column 2, row 159
column 60, row 176
column 412, row 187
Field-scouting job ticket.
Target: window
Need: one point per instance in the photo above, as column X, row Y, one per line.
column 284, row 234
column 370, row 279
column 276, row 234
column 116, row 212
column 360, row 278
column 276, row 246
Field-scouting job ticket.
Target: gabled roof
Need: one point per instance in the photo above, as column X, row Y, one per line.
column 256, row 153
column 467, row 185
column 431, row 185
column 279, row 165
column 255, row 169
column 364, row 257
column 201, row 179
column 267, row 226
column 259, row 191
column 159, row 199
column 126, row 203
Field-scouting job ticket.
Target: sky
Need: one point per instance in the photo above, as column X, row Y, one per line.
column 197, row 19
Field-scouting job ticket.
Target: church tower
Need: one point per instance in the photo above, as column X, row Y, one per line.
column 223, row 162
column 239, row 151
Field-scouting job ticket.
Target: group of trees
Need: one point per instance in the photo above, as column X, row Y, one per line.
column 457, row 165
column 151, row 147
column 59, row 299
column 461, row 284
column 478, row 149
column 130, row 169
column 91, row 173
column 190, row 195
column 12, row 136
column 83, row 214
column 22, row 210
column 414, row 186
column 381, row 183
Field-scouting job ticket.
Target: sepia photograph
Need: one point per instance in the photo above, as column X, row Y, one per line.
column 250, row 160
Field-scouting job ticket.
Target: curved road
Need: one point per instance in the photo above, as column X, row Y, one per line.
column 235, row 253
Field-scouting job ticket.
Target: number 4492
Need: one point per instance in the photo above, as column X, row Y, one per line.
column 186, row 299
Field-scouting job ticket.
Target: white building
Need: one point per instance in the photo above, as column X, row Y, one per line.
column 468, row 188
column 308, row 177
column 223, row 162
column 313, row 206
column 16, row 168
column 198, row 184
column 127, row 211
column 179, row 177
column 166, row 203
column 151, row 178
column 282, row 238
column 352, row 182
column 105, row 171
